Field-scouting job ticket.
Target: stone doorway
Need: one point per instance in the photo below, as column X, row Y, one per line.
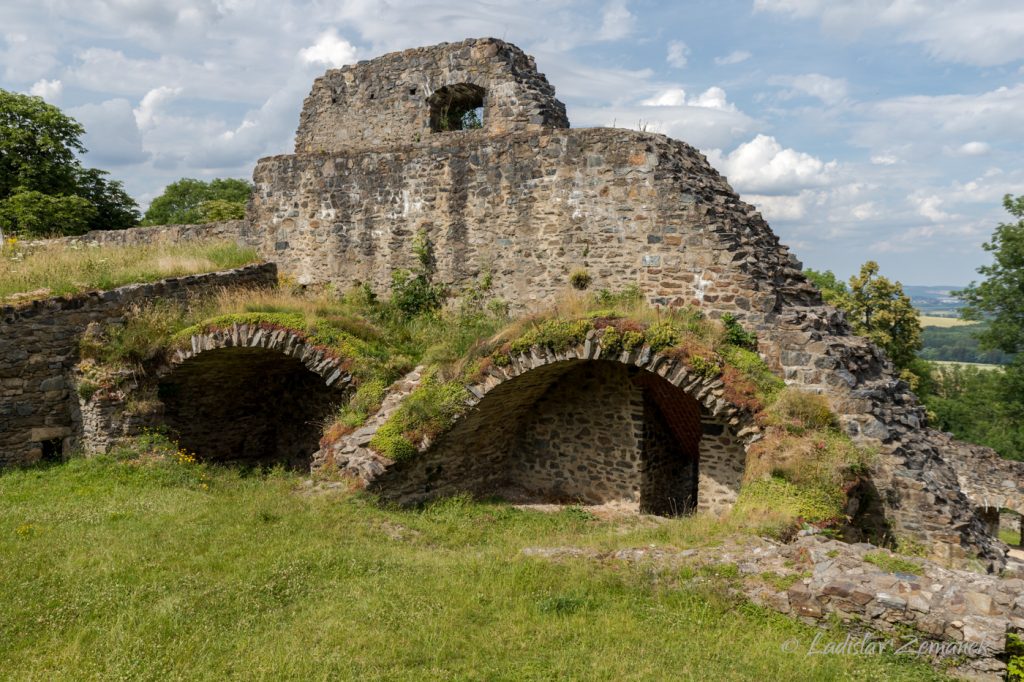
column 247, row 406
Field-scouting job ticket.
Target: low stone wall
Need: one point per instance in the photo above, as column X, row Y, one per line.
column 226, row 230
column 39, row 409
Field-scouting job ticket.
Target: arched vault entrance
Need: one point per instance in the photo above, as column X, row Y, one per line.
column 251, row 396
column 591, row 431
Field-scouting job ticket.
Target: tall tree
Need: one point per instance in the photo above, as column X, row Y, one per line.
column 189, row 201
column 44, row 189
column 877, row 308
column 1000, row 297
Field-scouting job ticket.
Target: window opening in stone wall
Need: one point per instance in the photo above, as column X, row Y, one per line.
column 53, row 450
column 457, row 107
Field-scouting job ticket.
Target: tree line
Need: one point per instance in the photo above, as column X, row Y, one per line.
column 46, row 191
column 977, row 405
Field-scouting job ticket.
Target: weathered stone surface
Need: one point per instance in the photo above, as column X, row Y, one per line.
column 920, row 611
column 39, row 409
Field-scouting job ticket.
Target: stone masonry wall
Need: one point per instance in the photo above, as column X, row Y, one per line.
column 383, row 103
column 225, row 230
column 633, row 209
column 39, row 348
column 583, row 440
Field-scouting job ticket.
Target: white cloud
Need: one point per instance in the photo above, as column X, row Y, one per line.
column 930, row 207
column 979, row 32
column 48, row 90
column 712, row 98
column 828, row 90
column 927, row 123
column 784, row 207
column 734, row 57
column 974, row 149
column 616, row 21
column 677, row 54
column 146, row 113
column 763, row 166
column 111, row 134
column 329, row 49
column 885, row 159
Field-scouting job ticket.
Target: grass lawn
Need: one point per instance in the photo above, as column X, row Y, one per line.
column 56, row 269
column 1010, row 537
column 177, row 571
column 944, row 322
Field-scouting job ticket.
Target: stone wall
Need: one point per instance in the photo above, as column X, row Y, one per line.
column 39, row 409
column 225, row 230
column 582, row 441
column 386, row 102
column 527, row 208
column 535, row 430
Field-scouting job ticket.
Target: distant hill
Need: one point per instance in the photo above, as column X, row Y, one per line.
column 933, row 300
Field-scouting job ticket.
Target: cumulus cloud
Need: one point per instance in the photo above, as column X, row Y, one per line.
column 111, row 134
column 677, row 54
column 712, row 98
column 735, row 57
column 974, row 149
column 616, row 21
column 979, row 32
column 828, row 90
column 48, row 90
column 763, row 166
column 329, row 49
column 146, row 112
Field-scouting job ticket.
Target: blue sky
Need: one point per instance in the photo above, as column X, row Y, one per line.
column 863, row 129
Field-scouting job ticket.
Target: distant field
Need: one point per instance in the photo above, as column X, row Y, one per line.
column 976, row 365
column 935, row 321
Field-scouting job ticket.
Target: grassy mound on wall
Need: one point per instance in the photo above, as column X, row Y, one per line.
column 801, row 468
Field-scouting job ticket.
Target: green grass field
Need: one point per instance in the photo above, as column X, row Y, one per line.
column 177, row 571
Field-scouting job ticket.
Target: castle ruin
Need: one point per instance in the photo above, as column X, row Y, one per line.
column 467, row 144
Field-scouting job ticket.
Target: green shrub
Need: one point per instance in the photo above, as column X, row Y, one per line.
column 810, row 503
column 1015, row 665
column 736, row 335
column 580, row 279
column 799, row 410
column 391, row 442
column 704, row 367
column 751, row 367
column 426, row 412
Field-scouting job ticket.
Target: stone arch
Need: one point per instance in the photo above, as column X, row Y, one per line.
column 676, row 444
column 450, row 105
column 251, row 394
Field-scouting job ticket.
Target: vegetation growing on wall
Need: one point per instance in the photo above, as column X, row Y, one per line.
column 30, row 271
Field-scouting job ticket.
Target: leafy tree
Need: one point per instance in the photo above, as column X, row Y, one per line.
column 44, row 189
column 878, row 309
column 831, row 286
column 1001, row 295
column 189, row 201
column 980, row 405
column 40, row 215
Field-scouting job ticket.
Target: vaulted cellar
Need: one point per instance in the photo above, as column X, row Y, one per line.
column 248, row 406
column 590, row 432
